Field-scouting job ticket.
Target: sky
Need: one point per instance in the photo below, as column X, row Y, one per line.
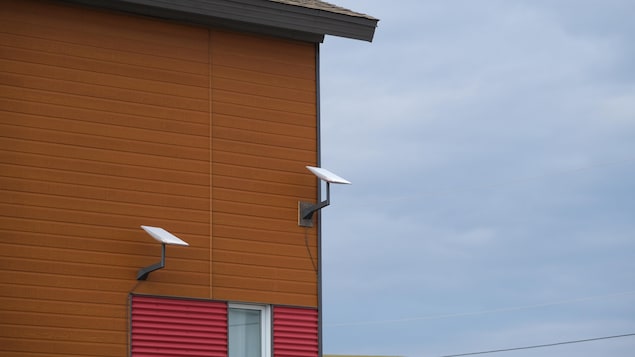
column 491, row 147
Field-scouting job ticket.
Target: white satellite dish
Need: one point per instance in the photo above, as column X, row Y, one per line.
column 306, row 209
column 164, row 237
column 327, row 175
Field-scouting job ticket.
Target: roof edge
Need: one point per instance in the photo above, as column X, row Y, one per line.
column 255, row 16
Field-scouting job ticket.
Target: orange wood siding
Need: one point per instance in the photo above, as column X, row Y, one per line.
column 110, row 121
column 104, row 126
column 263, row 134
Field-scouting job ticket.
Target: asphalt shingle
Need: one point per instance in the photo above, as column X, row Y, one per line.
column 323, row 6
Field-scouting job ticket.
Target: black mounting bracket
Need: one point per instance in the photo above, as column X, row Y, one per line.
column 144, row 272
column 306, row 209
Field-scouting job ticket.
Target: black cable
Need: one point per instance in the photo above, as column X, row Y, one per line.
column 540, row 346
column 308, row 249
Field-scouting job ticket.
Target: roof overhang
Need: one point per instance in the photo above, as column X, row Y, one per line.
column 256, row 16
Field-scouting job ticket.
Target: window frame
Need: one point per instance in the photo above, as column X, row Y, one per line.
column 265, row 325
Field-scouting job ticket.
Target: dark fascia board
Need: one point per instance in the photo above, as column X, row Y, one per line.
column 257, row 16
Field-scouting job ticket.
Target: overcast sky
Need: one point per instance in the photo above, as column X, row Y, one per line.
column 491, row 146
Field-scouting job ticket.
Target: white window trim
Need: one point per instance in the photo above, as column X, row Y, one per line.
column 265, row 323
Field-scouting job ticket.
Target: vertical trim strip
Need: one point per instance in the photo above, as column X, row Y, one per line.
column 319, row 225
column 211, row 173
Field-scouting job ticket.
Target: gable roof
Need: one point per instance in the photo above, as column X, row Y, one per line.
column 324, row 6
column 307, row 20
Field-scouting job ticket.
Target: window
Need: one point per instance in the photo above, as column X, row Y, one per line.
column 249, row 329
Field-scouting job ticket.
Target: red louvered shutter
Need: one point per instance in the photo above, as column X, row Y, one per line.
column 295, row 332
column 172, row 327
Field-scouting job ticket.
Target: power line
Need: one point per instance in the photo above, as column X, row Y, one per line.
column 504, row 309
column 541, row 346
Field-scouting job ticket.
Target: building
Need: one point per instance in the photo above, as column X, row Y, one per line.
column 197, row 116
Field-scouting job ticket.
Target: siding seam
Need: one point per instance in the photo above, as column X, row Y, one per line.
column 211, row 160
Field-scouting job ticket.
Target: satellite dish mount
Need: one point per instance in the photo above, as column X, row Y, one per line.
column 164, row 237
column 307, row 209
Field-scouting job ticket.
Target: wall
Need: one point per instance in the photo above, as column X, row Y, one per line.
column 110, row 121
column 263, row 134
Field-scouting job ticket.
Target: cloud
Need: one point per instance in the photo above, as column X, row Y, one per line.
column 490, row 146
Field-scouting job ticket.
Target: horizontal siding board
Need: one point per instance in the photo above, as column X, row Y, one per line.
column 264, row 90
column 77, row 44
column 255, row 136
column 267, row 65
column 97, row 206
column 75, row 216
column 263, row 127
column 90, row 238
column 44, row 218
column 274, row 104
column 274, row 80
column 151, row 304
column 255, row 259
column 262, row 187
column 74, row 281
column 125, row 265
column 104, row 194
column 265, row 224
column 50, row 333
column 239, row 110
column 170, row 288
column 60, row 294
column 259, row 235
column 102, row 104
column 60, row 320
column 110, row 123
column 106, row 156
column 296, row 175
column 51, row 117
column 246, row 294
column 83, row 308
column 265, row 285
column 272, row 226
column 280, row 50
column 11, row 206
column 16, row 48
column 36, row 166
column 131, row 33
column 174, row 278
column 100, row 270
column 260, row 272
column 69, row 87
column 255, row 210
column 238, row 196
column 224, row 157
column 40, row 266
column 189, row 265
column 61, row 347
column 91, row 77
column 272, row 249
